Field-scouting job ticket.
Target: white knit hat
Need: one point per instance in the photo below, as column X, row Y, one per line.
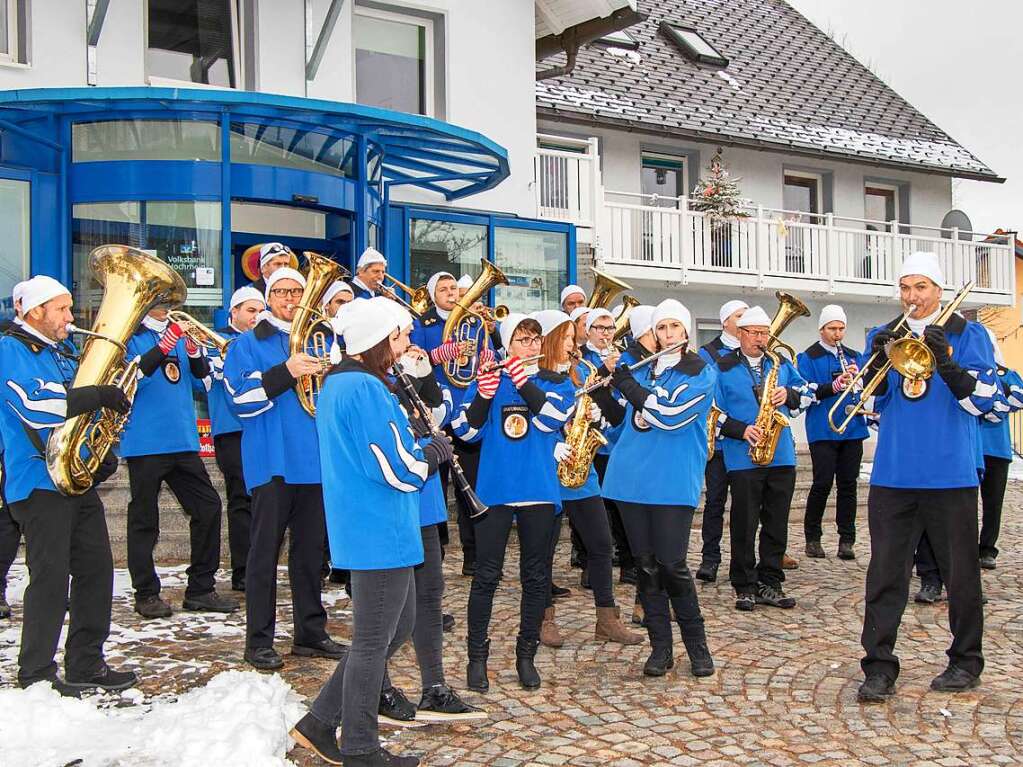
column 831, row 313
column 670, row 309
column 401, row 316
column 925, row 264
column 729, row 308
column 337, row 286
column 640, row 321
column 431, row 284
column 16, row 293
column 284, row 273
column 550, row 320
column 247, row 293
column 578, row 312
column 370, row 256
column 508, row 325
column 271, row 249
column 38, row 290
column 572, row 290
column 363, row 324
column 465, row 281
column 596, row 314
column 754, row 316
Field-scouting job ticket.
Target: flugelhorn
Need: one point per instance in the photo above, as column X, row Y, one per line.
column 200, row 334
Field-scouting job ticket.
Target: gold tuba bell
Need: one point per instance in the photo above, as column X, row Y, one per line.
column 605, row 288
column 307, row 333
column 464, row 325
column 133, row 283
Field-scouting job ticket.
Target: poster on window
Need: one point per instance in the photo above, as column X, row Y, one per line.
column 522, row 259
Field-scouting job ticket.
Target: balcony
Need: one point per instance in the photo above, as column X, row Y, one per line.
column 645, row 237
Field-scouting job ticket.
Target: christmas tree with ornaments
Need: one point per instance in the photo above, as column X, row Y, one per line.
column 718, row 194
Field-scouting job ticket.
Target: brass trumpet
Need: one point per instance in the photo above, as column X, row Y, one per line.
column 419, row 298
column 200, row 334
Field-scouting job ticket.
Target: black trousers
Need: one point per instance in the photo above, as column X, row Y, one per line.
column 835, row 462
column 715, row 478
column 552, row 550
column 761, row 498
column 992, row 493
column 659, row 538
column 186, row 476
column 239, row 512
column 896, row 517
column 534, row 525
column 469, row 459
column 926, row 562
column 65, row 540
column 589, row 520
column 614, row 517
column 10, row 537
column 276, row 507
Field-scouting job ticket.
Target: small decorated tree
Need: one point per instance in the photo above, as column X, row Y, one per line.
column 718, row 194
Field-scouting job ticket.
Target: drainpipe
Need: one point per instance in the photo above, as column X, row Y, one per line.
column 572, row 49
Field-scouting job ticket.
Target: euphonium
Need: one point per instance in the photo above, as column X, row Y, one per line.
column 465, row 325
column 584, row 439
column 605, row 288
column 199, row 333
column 133, row 283
column 622, row 327
column 307, row 335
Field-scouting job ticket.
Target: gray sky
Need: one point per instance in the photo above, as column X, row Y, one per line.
column 959, row 64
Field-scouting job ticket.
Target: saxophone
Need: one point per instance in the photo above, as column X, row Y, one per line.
column 770, row 422
column 584, row 439
column 712, row 424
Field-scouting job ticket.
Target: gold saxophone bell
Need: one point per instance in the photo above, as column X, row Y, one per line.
column 307, row 334
column 469, row 327
column 605, row 288
column 200, row 334
column 133, row 283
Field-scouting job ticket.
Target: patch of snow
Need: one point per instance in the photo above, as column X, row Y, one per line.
column 625, row 53
column 729, row 79
column 238, row 718
column 593, row 100
column 1016, row 468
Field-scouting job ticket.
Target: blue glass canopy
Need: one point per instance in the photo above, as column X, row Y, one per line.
column 412, row 150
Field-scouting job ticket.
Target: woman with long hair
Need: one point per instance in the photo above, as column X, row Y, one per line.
column 370, row 454
column 562, row 372
column 665, row 422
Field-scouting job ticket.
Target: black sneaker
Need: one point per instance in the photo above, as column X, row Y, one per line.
column 325, row 648
column 152, row 607
column 814, row 550
column 441, row 704
column 846, row 551
column 708, row 572
column 447, row 623
column 954, row 679
column 309, row 732
column 396, row 710
column 745, row 603
column 63, row 688
column 876, row 688
column 774, row 596
column 928, row 594
column 211, row 602
column 263, row 658
column 560, row 592
column 106, row 678
column 987, row 562
column 380, row 758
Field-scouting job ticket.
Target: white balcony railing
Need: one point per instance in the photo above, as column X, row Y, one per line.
column 567, row 176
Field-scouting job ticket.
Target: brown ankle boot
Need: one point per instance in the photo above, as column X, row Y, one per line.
column 611, row 629
column 549, row 634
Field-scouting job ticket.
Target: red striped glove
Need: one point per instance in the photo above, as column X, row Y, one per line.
column 487, row 383
column 445, row 352
column 516, row 372
column 486, row 357
column 169, row 338
column 191, row 348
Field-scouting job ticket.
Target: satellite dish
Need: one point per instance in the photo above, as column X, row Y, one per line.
column 956, row 219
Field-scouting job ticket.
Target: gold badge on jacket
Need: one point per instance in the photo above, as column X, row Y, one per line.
column 914, row 388
column 172, row 371
column 515, row 421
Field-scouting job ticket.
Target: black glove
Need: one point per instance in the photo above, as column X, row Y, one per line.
column 114, row 398
column 620, row 374
column 437, row 451
column 937, row 342
column 106, row 469
column 881, row 339
column 86, row 399
column 631, row 389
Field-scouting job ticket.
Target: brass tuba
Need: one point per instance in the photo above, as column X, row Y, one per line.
column 307, row 333
column 133, row 283
column 584, row 439
column 622, row 327
column 466, row 326
column 770, row 422
column 605, row 288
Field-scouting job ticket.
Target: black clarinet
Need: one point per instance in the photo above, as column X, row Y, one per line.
column 476, row 506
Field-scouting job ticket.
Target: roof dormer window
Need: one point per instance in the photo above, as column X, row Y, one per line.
column 619, row 39
column 693, row 45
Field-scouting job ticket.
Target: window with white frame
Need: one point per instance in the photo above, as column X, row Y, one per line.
column 193, row 41
column 10, row 48
column 802, row 194
column 393, row 60
column 881, row 203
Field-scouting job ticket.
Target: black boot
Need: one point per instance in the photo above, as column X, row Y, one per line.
column 661, row 660
column 695, row 639
column 309, row 732
column 476, row 671
column 525, row 651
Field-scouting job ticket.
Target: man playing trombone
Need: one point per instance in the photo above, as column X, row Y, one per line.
column 925, row 473
column 369, row 274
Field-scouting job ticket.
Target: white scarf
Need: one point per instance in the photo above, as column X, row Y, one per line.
column 666, row 361
column 281, row 325
column 917, row 326
column 729, row 341
column 33, row 332
column 754, row 362
column 602, row 353
column 828, row 348
column 157, row 326
column 364, row 286
column 442, row 313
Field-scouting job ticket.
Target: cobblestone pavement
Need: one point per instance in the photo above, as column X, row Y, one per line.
column 784, row 691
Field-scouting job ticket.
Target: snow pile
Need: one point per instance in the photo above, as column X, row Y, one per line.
column 625, row 53
column 239, row 718
column 729, row 79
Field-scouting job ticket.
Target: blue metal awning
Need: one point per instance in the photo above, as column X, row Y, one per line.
column 415, row 150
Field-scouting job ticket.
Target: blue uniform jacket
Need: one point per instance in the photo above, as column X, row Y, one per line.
column 373, row 473
column 33, row 400
column 931, row 442
column 278, row 436
column 517, row 430
column 995, row 437
column 671, row 429
column 163, row 415
column 223, row 419
column 819, row 368
column 737, row 397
